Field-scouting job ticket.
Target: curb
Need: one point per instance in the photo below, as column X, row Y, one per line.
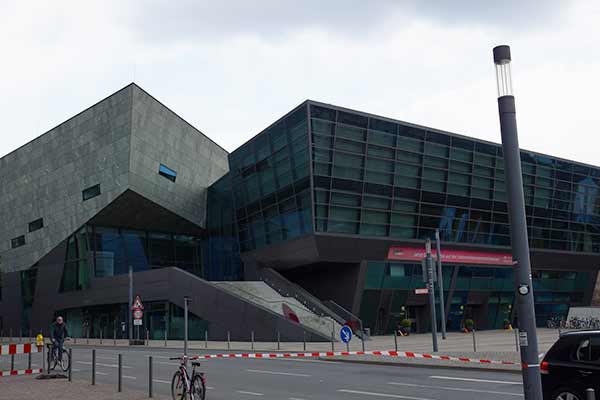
column 418, row 365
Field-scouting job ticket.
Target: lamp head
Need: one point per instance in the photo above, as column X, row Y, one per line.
column 502, row 61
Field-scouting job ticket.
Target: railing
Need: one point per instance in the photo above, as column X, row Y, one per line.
column 258, row 299
column 289, row 289
column 355, row 322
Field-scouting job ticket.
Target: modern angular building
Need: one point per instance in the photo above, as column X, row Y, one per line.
column 321, row 216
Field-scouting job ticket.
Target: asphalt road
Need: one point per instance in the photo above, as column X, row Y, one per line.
column 299, row 379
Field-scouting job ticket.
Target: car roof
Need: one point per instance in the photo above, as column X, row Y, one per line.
column 581, row 332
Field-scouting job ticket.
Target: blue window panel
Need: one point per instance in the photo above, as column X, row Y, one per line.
column 167, row 172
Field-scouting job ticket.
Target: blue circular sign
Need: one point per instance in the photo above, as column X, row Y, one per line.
column 346, row 334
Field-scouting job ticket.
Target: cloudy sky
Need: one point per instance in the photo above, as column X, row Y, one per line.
column 231, row 67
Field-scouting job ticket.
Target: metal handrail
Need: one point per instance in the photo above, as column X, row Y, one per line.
column 260, row 299
column 342, row 311
column 290, row 289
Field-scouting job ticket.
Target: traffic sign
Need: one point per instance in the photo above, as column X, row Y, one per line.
column 138, row 314
column 422, row 291
column 137, row 304
column 137, row 322
column 346, row 334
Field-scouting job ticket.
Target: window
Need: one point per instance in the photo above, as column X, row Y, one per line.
column 91, row 192
column 167, row 172
column 37, row 224
column 587, row 350
column 18, row 241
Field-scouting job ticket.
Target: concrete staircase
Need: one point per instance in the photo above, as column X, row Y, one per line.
column 261, row 294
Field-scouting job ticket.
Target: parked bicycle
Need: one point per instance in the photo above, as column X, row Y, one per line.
column 182, row 386
column 555, row 322
column 58, row 358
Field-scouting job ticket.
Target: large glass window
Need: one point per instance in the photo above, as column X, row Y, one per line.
column 367, row 155
column 76, row 271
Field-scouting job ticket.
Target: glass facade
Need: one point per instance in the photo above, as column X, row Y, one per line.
column 104, row 251
column 28, row 284
column 271, row 178
column 222, row 250
column 374, row 177
column 110, row 321
column 389, row 287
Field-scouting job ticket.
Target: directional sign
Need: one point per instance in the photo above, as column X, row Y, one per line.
column 421, row 291
column 346, row 334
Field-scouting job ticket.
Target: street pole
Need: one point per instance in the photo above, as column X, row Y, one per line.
column 129, row 311
column 440, row 280
column 186, row 300
column 532, row 386
column 430, row 287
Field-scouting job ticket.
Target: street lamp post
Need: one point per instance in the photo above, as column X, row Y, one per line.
column 532, row 385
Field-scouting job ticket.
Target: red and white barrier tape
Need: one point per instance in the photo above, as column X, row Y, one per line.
column 8, row 349
column 21, row 372
column 390, row 353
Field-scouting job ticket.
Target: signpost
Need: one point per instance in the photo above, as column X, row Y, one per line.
column 429, row 277
column 440, row 281
column 138, row 314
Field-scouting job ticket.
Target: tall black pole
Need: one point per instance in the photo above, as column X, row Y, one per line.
column 532, row 386
column 129, row 310
column 186, row 301
column 440, row 281
column 431, row 290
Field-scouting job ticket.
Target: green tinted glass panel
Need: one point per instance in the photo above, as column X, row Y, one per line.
column 344, row 213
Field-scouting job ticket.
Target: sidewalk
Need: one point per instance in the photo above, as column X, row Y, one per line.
column 29, row 388
column 486, row 341
column 497, row 345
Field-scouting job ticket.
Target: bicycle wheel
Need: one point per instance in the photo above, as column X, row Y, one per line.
column 178, row 391
column 64, row 362
column 198, row 388
column 51, row 360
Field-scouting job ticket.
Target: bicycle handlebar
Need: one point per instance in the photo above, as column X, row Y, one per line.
column 184, row 358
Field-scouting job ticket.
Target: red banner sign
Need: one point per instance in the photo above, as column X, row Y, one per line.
column 399, row 253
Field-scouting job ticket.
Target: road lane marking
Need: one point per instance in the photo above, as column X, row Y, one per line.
column 104, row 365
column 453, row 389
column 295, row 398
column 106, row 358
column 456, row 378
column 161, row 381
column 101, row 373
column 306, row 361
column 250, row 393
column 168, row 363
column 128, row 377
column 393, row 396
column 260, row 371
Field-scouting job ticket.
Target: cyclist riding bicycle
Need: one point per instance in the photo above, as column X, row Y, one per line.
column 58, row 334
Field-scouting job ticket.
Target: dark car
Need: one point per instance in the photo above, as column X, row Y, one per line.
column 571, row 366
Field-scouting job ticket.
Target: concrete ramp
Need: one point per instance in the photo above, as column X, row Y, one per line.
column 261, row 294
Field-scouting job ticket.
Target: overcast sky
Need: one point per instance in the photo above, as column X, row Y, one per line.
column 232, row 67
